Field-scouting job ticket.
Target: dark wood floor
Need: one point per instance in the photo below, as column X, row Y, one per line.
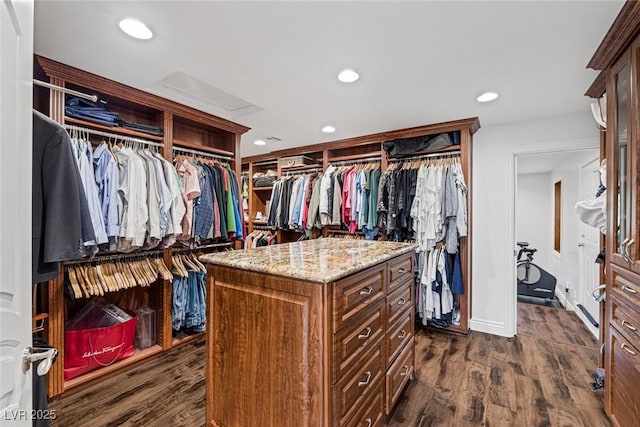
column 538, row 378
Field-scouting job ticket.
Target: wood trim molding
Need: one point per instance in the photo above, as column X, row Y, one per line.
column 70, row 74
column 621, row 33
column 598, row 87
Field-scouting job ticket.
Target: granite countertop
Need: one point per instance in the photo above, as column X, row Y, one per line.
column 319, row 260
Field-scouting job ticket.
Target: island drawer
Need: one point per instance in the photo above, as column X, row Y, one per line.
column 400, row 270
column 355, row 293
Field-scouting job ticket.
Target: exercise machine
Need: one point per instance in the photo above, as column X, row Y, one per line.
column 533, row 281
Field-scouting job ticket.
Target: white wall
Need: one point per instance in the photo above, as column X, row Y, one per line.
column 493, row 205
column 533, row 219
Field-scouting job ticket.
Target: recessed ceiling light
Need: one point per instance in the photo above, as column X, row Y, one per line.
column 487, row 97
column 328, row 129
column 259, row 142
column 135, row 29
column 348, row 76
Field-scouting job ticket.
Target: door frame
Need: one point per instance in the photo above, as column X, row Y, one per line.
column 578, row 144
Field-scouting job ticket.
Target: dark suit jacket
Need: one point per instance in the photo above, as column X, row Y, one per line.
column 60, row 213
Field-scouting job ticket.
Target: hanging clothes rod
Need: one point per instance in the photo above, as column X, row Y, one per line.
column 454, row 153
column 102, row 259
column 202, row 153
column 93, row 98
column 302, row 171
column 111, row 135
column 201, row 247
column 356, row 161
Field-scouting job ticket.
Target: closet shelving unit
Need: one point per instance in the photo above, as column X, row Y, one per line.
column 184, row 127
column 370, row 147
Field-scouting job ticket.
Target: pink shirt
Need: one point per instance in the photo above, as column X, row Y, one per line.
column 190, row 190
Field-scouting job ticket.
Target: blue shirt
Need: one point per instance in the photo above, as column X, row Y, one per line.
column 106, row 174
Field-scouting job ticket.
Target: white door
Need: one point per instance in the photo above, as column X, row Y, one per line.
column 588, row 247
column 16, row 58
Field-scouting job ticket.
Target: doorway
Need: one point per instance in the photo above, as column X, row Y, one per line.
column 545, row 217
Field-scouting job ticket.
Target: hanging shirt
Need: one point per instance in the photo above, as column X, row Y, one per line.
column 132, row 200
column 163, row 191
column 85, row 166
column 177, row 207
column 190, row 190
column 153, row 234
column 324, row 196
column 106, row 176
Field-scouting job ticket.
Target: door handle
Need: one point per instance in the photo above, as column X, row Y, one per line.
column 30, row 355
column 626, row 250
column 623, row 247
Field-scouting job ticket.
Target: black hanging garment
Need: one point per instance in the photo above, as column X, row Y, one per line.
column 60, row 214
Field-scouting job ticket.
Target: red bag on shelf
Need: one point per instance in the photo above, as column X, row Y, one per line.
column 88, row 349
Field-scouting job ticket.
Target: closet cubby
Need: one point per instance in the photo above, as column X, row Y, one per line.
column 370, row 148
column 184, row 127
column 197, row 135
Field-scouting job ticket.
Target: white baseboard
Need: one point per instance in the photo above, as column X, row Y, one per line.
column 595, row 331
column 489, row 327
column 563, row 300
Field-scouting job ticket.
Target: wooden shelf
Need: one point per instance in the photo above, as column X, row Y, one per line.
column 118, row 366
column 186, row 144
column 262, row 188
column 302, row 167
column 258, row 222
column 186, row 339
column 113, row 129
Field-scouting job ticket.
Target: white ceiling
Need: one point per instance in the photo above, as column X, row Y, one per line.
column 420, row 62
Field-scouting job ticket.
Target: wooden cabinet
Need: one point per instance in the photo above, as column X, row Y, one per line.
column 184, row 127
column 284, row 351
column 618, row 56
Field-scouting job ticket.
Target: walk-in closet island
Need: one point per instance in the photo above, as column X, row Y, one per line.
column 310, row 333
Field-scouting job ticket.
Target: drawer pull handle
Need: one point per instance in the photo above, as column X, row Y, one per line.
column 402, row 301
column 366, row 291
column 402, row 270
column 368, row 422
column 406, row 371
column 365, row 382
column 365, row 335
column 402, row 334
column 627, row 349
column 628, row 289
column 628, row 325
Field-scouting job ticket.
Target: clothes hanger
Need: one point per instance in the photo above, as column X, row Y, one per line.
column 83, row 285
column 197, row 262
column 178, row 267
column 121, row 278
column 187, row 262
column 86, row 279
column 94, row 279
column 75, row 286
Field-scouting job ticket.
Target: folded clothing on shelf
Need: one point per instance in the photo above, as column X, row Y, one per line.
column 264, row 179
column 150, row 129
column 90, row 111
